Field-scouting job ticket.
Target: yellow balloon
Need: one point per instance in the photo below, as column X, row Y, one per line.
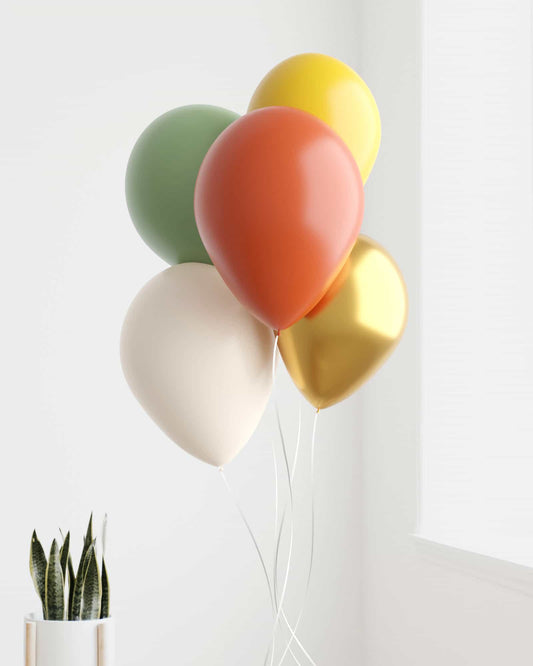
column 349, row 334
column 332, row 91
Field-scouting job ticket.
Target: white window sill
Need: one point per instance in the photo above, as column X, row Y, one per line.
column 486, row 567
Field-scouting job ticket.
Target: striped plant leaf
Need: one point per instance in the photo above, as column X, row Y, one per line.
column 88, row 591
column 78, row 584
column 54, row 586
column 92, row 589
column 64, row 554
column 86, row 546
column 87, row 541
column 71, row 583
column 38, row 568
column 104, row 610
column 89, row 536
column 77, row 589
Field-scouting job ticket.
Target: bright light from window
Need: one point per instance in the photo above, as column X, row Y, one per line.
column 477, row 277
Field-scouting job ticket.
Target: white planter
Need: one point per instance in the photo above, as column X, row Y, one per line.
column 83, row 643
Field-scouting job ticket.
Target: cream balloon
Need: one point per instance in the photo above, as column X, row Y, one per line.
column 197, row 361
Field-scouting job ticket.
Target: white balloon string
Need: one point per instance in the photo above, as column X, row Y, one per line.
column 283, row 615
column 276, row 503
column 285, row 618
column 275, row 460
column 291, row 537
column 279, row 533
column 276, row 557
column 273, row 596
column 250, row 532
column 276, row 495
column 272, row 647
column 256, row 545
column 311, row 556
column 292, row 630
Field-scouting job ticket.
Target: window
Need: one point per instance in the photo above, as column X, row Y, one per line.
column 477, row 277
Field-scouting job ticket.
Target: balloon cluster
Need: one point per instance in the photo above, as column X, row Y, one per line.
column 260, row 216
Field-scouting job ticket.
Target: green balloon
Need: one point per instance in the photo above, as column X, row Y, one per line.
column 161, row 176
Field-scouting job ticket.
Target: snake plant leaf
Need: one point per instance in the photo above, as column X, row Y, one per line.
column 77, row 588
column 64, row 554
column 38, row 568
column 104, row 610
column 87, row 541
column 75, row 602
column 92, row 589
column 71, row 583
column 84, row 550
column 78, row 585
column 89, row 536
column 88, row 591
column 54, row 586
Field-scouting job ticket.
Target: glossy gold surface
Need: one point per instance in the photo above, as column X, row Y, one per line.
column 346, row 338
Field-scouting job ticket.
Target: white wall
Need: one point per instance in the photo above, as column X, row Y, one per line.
column 417, row 610
column 80, row 81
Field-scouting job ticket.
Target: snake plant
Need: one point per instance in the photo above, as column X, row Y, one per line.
column 65, row 593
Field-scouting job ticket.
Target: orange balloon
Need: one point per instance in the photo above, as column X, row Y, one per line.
column 279, row 203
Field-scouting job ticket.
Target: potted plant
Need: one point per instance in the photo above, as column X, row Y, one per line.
column 75, row 627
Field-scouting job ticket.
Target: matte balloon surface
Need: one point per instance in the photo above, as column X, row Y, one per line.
column 336, row 348
column 279, row 203
column 161, row 175
column 197, row 361
column 332, row 91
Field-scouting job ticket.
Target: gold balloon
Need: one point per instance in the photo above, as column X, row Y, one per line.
column 349, row 334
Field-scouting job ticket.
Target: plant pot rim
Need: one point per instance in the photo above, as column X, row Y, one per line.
column 34, row 617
